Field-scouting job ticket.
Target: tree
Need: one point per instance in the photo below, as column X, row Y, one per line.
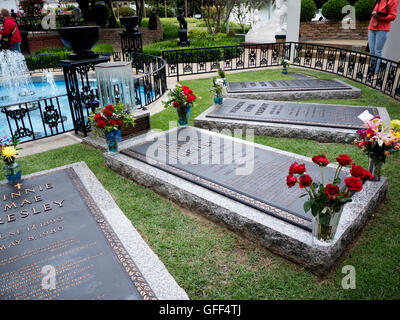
column 216, row 14
column 31, row 7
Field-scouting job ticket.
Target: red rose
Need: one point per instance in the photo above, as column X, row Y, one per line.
column 331, row 190
column 305, row 181
column 344, row 160
column 321, row 160
column 297, row 168
column 111, row 122
column 101, row 124
column 185, row 88
column 353, row 184
column 360, row 172
column 291, row 180
column 107, row 112
column 109, row 107
column 176, row 104
column 97, row 117
column 119, row 122
column 371, row 133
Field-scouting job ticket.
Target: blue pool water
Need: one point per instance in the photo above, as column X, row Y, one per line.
column 42, row 90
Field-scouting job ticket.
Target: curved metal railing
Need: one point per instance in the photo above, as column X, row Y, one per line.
column 354, row 65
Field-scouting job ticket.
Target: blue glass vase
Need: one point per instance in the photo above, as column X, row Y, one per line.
column 112, row 140
column 218, row 99
column 285, row 70
column 12, row 172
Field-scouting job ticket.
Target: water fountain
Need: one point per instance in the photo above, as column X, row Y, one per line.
column 15, row 76
column 50, row 86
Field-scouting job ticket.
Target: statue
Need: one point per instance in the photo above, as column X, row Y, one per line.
column 267, row 21
column 281, row 11
column 183, row 36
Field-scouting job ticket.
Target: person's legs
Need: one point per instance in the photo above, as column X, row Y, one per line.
column 372, row 45
column 16, row 47
column 381, row 37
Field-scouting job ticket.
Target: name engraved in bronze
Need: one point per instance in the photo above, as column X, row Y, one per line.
column 51, row 220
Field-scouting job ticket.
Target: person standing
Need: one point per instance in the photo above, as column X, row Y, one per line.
column 10, row 32
column 383, row 14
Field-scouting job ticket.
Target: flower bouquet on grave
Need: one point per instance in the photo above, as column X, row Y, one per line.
column 182, row 99
column 108, row 122
column 285, row 64
column 326, row 201
column 219, row 91
column 221, row 74
column 378, row 141
column 8, row 154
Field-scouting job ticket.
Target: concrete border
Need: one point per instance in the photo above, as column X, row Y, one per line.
column 278, row 236
column 160, row 280
column 353, row 93
column 318, row 133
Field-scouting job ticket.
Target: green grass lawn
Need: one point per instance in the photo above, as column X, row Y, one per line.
column 211, row 262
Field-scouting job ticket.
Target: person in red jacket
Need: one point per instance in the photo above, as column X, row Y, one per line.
column 383, row 14
column 10, row 31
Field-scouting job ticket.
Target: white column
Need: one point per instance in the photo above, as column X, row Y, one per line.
column 391, row 50
column 293, row 18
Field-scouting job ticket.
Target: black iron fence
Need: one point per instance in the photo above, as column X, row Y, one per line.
column 34, row 24
column 36, row 119
column 378, row 73
column 46, row 117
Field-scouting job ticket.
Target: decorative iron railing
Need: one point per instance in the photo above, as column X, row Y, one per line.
column 34, row 24
column 357, row 66
column 36, row 119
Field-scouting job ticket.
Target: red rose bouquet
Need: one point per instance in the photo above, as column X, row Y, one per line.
column 377, row 140
column 109, row 121
column 182, row 99
column 326, row 201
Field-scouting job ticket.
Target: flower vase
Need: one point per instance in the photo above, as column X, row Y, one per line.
column 285, row 70
column 375, row 167
column 324, row 225
column 218, row 99
column 113, row 138
column 184, row 113
column 12, row 172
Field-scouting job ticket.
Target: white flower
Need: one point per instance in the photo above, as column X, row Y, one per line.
column 365, row 116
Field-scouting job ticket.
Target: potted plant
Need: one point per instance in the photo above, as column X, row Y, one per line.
column 221, row 73
column 108, row 122
column 285, row 64
column 182, row 99
column 8, row 152
column 219, row 91
column 326, row 201
column 378, row 141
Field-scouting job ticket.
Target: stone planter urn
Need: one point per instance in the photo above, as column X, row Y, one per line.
column 81, row 40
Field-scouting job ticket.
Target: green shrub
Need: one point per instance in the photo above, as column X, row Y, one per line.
column 220, row 36
column 102, row 13
column 70, row 7
column 170, row 30
column 126, row 12
column 198, row 34
column 364, row 9
column 332, row 10
column 308, row 9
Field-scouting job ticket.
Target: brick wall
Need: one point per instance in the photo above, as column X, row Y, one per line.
column 332, row 31
column 39, row 41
